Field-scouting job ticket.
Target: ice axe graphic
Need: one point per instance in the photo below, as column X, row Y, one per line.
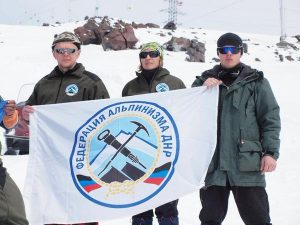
column 121, row 148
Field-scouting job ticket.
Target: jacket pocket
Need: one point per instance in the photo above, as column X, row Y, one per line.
column 249, row 156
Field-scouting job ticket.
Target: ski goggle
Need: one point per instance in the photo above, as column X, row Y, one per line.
column 226, row 49
column 152, row 54
column 62, row 51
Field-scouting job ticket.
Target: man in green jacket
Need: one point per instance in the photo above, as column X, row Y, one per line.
column 247, row 139
column 68, row 82
column 151, row 78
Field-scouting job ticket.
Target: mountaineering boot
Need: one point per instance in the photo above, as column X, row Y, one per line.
column 172, row 220
column 142, row 221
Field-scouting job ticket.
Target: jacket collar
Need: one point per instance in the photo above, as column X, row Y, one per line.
column 76, row 71
column 246, row 75
column 160, row 73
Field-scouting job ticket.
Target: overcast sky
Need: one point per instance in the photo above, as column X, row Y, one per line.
column 253, row 16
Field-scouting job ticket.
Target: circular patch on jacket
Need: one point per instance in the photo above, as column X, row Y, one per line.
column 125, row 154
column 71, row 90
column 162, row 87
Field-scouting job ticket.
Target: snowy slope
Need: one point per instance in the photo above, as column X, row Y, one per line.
column 25, row 56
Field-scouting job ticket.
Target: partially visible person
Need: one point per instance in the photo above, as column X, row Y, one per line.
column 152, row 77
column 12, row 209
column 247, row 138
column 68, row 81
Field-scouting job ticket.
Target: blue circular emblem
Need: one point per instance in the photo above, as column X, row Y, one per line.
column 162, row 87
column 125, row 154
column 71, row 90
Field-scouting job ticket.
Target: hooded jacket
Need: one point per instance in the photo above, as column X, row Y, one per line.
column 76, row 84
column 161, row 81
column 248, row 127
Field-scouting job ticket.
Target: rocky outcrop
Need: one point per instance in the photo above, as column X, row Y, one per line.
column 147, row 25
column 194, row 49
column 87, row 36
column 119, row 39
column 178, row 44
column 287, row 45
column 298, row 38
column 170, row 26
column 113, row 36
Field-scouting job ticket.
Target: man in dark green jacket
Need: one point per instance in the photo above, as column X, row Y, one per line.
column 151, row 78
column 247, row 140
column 69, row 81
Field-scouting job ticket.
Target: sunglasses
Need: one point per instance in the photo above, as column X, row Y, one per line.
column 62, row 51
column 152, row 54
column 226, row 49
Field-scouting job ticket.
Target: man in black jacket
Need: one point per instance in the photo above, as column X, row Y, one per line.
column 69, row 81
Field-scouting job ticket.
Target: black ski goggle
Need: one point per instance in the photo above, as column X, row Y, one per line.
column 152, row 54
column 231, row 49
column 62, row 51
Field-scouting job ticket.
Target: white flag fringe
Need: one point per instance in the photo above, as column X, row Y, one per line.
column 113, row 158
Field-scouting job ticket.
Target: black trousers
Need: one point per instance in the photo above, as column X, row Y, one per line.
column 252, row 204
column 167, row 210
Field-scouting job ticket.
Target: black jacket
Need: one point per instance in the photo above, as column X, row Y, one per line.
column 75, row 85
column 162, row 78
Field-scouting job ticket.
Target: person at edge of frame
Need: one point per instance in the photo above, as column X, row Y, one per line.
column 12, row 209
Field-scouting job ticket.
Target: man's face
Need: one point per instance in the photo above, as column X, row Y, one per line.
column 229, row 58
column 66, row 55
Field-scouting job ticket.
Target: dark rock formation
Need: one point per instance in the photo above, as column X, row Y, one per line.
column 194, row 49
column 97, row 30
column 298, row 38
column 178, row 44
column 170, row 26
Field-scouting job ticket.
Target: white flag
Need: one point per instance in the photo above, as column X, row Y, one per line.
column 103, row 159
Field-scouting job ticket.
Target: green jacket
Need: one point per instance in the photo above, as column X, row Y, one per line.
column 74, row 85
column 248, row 127
column 162, row 81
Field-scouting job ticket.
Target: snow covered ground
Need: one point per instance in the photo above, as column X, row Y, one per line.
column 25, row 57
